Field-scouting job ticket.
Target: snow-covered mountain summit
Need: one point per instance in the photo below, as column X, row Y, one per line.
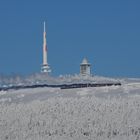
column 104, row 113
column 45, row 79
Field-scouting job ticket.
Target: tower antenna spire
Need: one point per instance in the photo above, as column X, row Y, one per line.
column 44, row 26
column 45, row 67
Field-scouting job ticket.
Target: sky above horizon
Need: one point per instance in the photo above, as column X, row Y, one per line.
column 107, row 33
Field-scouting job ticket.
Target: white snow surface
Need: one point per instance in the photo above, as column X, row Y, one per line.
column 94, row 113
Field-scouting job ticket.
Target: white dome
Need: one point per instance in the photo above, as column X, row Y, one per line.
column 85, row 61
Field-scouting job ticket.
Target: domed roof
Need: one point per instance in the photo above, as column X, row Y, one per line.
column 85, row 61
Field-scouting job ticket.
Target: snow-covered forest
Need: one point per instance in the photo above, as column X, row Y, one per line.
column 43, row 78
column 105, row 113
column 72, row 119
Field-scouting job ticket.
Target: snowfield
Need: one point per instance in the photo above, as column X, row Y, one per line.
column 98, row 113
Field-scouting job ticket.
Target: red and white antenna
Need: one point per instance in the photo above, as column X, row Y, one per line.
column 45, row 67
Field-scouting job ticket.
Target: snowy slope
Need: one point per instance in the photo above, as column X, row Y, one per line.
column 100, row 113
column 27, row 95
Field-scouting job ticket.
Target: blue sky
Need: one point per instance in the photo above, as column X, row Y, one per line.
column 107, row 32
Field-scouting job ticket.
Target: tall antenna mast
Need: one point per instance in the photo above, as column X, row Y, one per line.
column 45, row 67
column 44, row 26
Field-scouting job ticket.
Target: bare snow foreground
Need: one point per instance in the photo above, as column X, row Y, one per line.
column 107, row 113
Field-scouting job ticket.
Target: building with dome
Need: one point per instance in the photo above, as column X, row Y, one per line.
column 85, row 68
